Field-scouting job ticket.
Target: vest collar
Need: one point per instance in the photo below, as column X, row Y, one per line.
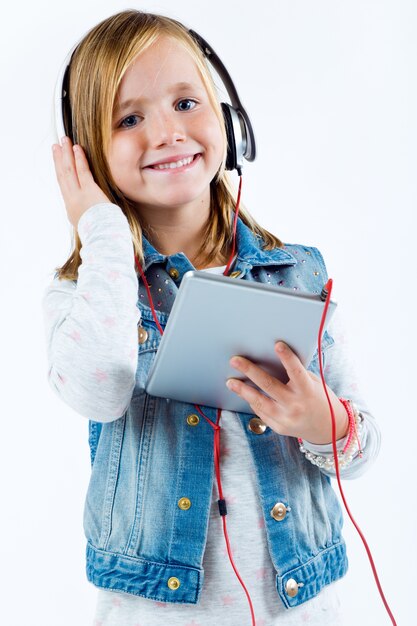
column 249, row 251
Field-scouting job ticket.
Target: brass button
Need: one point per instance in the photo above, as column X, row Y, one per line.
column 257, row 426
column 184, row 504
column 142, row 335
column 235, row 274
column 173, row 583
column 174, row 273
column 279, row 511
column 192, row 420
column 291, row 587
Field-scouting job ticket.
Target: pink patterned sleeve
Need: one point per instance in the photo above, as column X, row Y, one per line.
column 91, row 326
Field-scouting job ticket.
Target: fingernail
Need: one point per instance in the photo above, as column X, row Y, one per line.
column 230, row 384
column 64, row 139
column 235, row 361
column 280, row 346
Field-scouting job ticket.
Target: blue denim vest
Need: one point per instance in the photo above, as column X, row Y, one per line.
column 138, row 538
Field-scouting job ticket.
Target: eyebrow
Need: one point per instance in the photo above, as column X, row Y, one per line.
column 131, row 101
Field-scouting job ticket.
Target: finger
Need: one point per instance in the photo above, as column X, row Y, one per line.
column 67, row 174
column 270, row 385
column 58, row 156
column 56, row 152
column 292, row 364
column 261, row 406
column 83, row 169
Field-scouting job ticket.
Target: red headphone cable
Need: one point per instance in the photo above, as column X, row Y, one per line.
column 326, row 293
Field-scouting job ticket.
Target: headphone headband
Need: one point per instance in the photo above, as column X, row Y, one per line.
column 250, row 146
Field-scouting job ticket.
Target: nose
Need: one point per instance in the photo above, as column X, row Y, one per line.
column 165, row 129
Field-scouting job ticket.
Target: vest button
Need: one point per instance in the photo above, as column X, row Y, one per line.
column 279, row 511
column 192, row 420
column 235, row 274
column 142, row 335
column 173, row 583
column 257, row 426
column 291, row 587
column 184, row 504
column 174, row 273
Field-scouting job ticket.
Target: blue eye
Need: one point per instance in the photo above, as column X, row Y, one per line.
column 123, row 122
column 186, row 100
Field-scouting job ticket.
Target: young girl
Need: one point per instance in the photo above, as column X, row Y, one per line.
column 144, row 183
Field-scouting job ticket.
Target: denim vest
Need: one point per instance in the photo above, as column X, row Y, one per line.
column 139, row 540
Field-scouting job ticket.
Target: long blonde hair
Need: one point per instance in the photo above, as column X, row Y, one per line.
column 97, row 67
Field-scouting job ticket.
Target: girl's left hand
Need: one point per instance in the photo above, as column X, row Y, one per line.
column 298, row 408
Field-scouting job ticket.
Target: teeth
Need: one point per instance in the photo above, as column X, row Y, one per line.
column 174, row 164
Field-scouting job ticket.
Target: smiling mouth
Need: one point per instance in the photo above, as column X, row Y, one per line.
column 181, row 164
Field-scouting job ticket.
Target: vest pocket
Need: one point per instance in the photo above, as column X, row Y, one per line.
column 128, row 466
column 104, row 476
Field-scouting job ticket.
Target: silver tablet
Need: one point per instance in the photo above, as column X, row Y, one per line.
column 215, row 317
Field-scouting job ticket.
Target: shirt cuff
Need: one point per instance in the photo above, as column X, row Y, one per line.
column 326, row 448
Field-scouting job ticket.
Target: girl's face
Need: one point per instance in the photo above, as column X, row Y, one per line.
column 166, row 143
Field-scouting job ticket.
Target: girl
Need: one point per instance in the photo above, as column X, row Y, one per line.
column 143, row 177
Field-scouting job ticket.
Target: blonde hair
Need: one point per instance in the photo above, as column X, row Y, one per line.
column 97, row 67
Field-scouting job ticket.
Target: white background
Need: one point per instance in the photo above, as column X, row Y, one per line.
column 331, row 90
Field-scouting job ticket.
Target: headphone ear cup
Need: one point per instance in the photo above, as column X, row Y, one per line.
column 66, row 120
column 231, row 159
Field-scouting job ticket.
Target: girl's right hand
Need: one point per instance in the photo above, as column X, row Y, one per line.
column 78, row 187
